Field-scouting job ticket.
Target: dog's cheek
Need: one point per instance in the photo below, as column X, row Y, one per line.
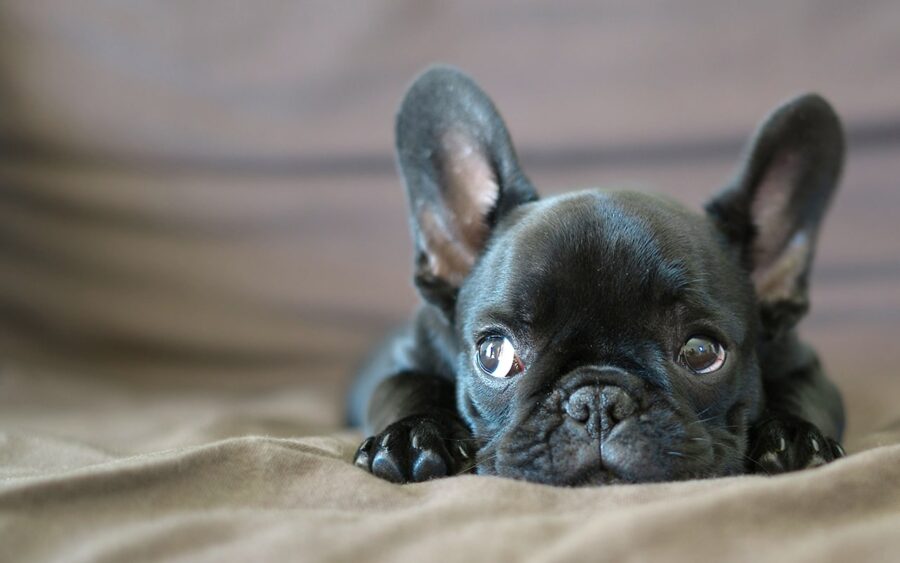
column 547, row 446
column 478, row 407
column 664, row 443
column 541, row 449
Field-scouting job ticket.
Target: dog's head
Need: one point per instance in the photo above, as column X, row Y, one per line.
column 608, row 336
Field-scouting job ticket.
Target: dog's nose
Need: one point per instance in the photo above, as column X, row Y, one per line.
column 600, row 408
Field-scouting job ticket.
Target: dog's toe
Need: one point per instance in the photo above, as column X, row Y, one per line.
column 386, row 466
column 428, row 465
column 417, row 448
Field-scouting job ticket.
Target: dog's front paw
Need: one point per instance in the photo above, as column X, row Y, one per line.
column 417, row 448
column 783, row 443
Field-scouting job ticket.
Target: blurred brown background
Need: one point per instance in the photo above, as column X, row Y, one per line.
column 205, row 192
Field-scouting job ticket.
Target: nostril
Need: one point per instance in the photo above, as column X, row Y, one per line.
column 609, row 405
column 580, row 403
column 617, row 403
column 600, row 408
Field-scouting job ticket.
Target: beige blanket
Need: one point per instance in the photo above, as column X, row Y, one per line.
column 211, row 473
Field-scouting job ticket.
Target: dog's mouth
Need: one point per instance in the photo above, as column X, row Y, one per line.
column 651, row 446
column 576, row 473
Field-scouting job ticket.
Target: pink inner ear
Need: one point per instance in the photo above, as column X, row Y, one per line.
column 456, row 234
column 779, row 280
column 447, row 258
column 770, row 210
column 780, row 252
column 470, row 186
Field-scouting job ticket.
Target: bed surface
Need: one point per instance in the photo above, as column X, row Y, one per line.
column 178, row 472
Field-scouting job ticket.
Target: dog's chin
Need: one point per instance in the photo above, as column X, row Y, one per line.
column 597, row 475
column 571, row 473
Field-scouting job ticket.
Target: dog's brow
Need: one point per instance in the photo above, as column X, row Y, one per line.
column 501, row 318
column 670, row 281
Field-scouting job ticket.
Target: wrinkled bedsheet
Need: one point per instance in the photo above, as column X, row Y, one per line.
column 237, row 472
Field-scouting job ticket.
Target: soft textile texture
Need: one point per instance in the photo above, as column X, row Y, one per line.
column 201, row 491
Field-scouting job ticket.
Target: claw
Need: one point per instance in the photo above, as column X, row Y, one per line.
column 815, row 445
column 361, row 458
column 837, row 449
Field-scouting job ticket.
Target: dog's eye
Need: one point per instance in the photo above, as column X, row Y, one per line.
column 497, row 357
column 702, row 355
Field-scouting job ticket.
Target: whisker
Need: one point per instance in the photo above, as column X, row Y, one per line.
column 758, row 464
column 464, row 440
column 480, row 461
column 684, row 455
column 699, row 420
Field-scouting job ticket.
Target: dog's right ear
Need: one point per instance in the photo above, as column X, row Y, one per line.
column 461, row 174
column 774, row 207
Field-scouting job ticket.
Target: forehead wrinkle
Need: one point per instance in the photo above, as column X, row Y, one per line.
column 687, row 249
column 636, row 249
column 635, row 239
column 593, row 231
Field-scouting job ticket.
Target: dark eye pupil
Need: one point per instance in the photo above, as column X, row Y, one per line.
column 489, row 353
column 700, row 353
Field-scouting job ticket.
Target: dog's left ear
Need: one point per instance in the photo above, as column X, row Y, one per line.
column 776, row 203
column 462, row 176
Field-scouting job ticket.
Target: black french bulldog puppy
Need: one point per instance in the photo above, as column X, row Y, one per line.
column 601, row 336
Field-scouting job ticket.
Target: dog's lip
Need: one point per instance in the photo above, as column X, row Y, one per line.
column 595, row 475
